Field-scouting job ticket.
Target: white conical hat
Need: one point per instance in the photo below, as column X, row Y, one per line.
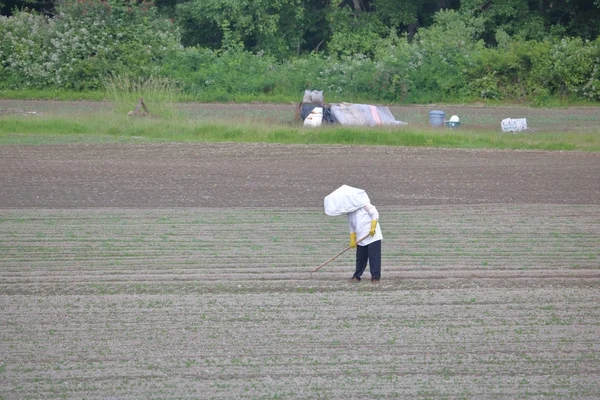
column 345, row 199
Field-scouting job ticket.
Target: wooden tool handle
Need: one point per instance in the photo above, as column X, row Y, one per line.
column 338, row 254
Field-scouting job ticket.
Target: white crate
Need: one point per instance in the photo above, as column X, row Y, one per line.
column 514, row 124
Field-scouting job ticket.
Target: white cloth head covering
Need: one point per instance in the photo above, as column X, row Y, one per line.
column 345, row 199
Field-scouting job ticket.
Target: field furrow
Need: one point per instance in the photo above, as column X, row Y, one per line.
column 483, row 301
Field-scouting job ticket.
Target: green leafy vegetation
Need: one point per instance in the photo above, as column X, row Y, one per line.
column 83, row 42
column 369, row 50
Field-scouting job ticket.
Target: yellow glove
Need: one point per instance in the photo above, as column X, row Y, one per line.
column 373, row 225
column 353, row 240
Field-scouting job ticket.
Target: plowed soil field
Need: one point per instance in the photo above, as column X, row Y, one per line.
column 183, row 271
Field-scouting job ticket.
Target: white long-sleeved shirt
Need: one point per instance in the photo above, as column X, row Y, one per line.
column 359, row 221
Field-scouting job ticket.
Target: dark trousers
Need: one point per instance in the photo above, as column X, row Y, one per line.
column 371, row 253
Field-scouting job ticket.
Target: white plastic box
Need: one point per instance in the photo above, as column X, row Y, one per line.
column 514, row 124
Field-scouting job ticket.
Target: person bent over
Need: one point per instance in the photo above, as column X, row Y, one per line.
column 365, row 232
column 364, row 222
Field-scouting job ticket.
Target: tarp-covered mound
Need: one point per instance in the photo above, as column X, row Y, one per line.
column 345, row 199
column 363, row 114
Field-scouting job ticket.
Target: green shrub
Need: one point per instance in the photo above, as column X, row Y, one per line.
column 514, row 72
column 575, row 66
column 395, row 62
column 89, row 40
column 26, row 57
column 86, row 40
column 538, row 71
column 444, row 54
column 222, row 75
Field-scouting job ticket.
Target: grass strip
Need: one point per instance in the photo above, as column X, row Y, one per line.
column 111, row 128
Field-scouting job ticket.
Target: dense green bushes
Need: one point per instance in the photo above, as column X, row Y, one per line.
column 85, row 41
column 89, row 40
column 567, row 68
column 443, row 63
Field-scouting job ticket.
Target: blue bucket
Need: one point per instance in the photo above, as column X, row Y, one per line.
column 436, row 118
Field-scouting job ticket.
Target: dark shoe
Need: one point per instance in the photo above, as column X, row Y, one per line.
column 354, row 280
column 375, row 281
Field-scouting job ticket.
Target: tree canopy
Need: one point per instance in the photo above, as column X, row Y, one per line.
column 392, row 50
column 290, row 27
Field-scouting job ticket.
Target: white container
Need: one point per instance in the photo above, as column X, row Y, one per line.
column 315, row 118
column 513, row 124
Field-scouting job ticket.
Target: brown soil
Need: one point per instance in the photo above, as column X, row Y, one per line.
column 183, row 271
column 267, row 175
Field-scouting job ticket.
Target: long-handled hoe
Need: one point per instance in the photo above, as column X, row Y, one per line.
column 337, row 255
